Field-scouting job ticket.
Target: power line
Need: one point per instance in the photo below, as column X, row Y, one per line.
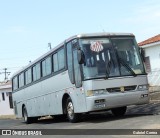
column 11, row 68
column 6, row 73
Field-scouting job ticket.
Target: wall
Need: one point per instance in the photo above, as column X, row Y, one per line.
column 154, row 54
column 4, row 105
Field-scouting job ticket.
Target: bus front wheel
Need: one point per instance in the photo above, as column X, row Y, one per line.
column 120, row 111
column 72, row 117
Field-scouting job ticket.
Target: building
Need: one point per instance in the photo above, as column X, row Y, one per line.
column 151, row 47
column 6, row 104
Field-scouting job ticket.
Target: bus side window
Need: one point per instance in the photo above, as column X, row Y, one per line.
column 28, row 76
column 36, row 72
column 55, row 62
column 46, row 67
column 61, row 59
column 15, row 83
column 58, row 60
column 21, row 80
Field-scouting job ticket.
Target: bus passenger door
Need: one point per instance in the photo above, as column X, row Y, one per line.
column 80, row 95
column 76, row 66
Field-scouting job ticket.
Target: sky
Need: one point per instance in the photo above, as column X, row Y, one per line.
column 27, row 26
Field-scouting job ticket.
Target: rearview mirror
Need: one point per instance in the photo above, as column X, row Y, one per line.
column 81, row 57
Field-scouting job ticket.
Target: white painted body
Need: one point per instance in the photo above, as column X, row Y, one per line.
column 45, row 97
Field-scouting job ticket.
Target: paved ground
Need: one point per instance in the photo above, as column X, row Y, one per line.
column 137, row 117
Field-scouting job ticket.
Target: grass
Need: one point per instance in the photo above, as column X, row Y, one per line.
column 7, row 116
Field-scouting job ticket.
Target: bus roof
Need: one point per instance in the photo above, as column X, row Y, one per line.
column 85, row 35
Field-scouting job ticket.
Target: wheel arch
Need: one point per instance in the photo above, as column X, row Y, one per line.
column 23, row 105
column 64, row 100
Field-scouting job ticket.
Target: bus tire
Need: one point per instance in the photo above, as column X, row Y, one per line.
column 72, row 117
column 120, row 111
column 27, row 119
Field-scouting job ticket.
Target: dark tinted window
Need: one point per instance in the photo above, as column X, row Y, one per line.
column 55, row 62
column 21, row 80
column 59, row 60
column 28, row 76
column 46, row 67
column 36, row 72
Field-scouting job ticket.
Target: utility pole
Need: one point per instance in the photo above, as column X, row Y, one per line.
column 6, row 73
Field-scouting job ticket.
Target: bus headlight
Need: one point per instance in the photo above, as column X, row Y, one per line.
column 95, row 92
column 143, row 87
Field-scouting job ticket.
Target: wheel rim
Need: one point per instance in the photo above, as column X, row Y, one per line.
column 70, row 110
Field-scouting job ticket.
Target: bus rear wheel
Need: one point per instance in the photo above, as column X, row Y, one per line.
column 27, row 119
column 120, row 111
column 72, row 117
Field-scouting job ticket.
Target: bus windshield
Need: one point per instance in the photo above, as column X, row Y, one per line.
column 111, row 57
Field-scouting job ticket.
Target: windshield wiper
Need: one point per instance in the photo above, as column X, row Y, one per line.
column 127, row 66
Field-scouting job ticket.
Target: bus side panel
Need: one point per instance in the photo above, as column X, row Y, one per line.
column 45, row 97
column 19, row 100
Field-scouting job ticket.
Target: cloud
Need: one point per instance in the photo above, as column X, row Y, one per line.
column 146, row 13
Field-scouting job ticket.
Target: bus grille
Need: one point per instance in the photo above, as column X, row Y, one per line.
column 121, row 89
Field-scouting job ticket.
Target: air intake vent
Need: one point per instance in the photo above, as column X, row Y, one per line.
column 121, row 89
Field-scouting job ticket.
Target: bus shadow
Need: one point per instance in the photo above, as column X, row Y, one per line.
column 132, row 112
column 98, row 117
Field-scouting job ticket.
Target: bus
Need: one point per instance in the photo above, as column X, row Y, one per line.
column 85, row 73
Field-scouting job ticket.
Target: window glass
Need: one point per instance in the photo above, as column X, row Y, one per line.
column 147, row 64
column 15, row 83
column 46, row 67
column 77, row 72
column 36, row 72
column 55, row 62
column 21, row 80
column 58, row 60
column 28, row 76
column 43, row 68
column 70, row 62
column 61, row 59
column 128, row 55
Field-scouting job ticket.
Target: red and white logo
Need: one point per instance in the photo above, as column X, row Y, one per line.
column 96, row 46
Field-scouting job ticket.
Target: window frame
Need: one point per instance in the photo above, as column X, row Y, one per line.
column 56, row 53
column 35, row 65
column 15, row 79
column 26, row 77
column 45, row 67
column 19, row 80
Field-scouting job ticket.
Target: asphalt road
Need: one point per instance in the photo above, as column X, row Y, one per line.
column 137, row 117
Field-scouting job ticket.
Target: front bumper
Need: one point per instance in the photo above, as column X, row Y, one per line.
column 117, row 99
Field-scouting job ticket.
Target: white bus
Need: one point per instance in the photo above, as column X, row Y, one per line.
column 85, row 73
